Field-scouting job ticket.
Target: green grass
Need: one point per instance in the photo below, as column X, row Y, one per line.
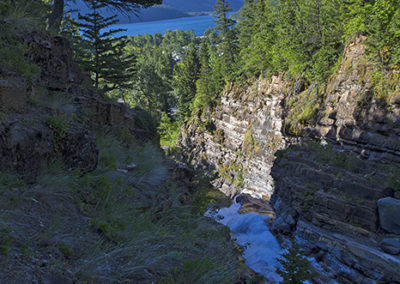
column 329, row 156
column 303, row 110
column 382, row 174
column 248, row 140
column 112, row 227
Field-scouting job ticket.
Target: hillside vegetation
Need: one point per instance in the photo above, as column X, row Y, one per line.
column 86, row 194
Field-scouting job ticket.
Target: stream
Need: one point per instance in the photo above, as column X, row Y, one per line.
column 249, row 230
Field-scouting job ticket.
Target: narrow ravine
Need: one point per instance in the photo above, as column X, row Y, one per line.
column 250, row 230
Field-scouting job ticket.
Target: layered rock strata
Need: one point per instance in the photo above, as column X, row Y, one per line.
column 338, row 200
column 239, row 140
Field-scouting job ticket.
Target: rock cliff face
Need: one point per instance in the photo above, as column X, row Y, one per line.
column 56, row 115
column 334, row 182
column 239, row 140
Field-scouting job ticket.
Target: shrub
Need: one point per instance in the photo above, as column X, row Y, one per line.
column 295, row 267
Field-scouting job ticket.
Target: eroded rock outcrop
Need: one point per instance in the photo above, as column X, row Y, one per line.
column 238, row 142
column 57, row 114
column 331, row 200
column 265, row 140
column 360, row 116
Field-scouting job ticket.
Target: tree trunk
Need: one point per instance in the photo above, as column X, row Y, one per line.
column 56, row 16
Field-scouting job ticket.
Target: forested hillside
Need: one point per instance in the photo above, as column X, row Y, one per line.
column 295, row 102
column 305, row 42
column 86, row 193
column 308, row 120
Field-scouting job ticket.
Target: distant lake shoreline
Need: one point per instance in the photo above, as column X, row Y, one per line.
column 199, row 24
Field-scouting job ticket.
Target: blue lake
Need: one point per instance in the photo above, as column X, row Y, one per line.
column 199, row 24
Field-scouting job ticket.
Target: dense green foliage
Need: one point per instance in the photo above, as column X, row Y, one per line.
column 18, row 17
column 186, row 75
column 227, row 42
column 306, row 37
column 295, row 267
column 157, row 55
column 142, row 225
column 299, row 38
column 177, row 73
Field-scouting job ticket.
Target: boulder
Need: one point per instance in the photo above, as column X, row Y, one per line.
column 13, row 95
column 79, row 150
column 24, row 148
column 391, row 245
column 389, row 212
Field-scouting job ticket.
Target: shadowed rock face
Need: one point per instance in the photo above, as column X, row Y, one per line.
column 13, row 93
column 356, row 117
column 391, row 245
column 24, row 148
column 389, row 214
column 324, row 196
column 333, row 209
column 57, row 115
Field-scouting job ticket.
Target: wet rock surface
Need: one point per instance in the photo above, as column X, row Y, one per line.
column 334, row 211
column 250, row 204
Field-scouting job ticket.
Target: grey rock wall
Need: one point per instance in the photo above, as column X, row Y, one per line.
column 322, row 195
column 239, row 141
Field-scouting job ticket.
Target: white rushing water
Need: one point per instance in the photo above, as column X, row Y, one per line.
column 251, row 232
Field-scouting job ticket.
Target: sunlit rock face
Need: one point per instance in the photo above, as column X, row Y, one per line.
column 326, row 198
column 238, row 141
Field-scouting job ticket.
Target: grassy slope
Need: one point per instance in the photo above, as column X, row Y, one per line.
column 111, row 227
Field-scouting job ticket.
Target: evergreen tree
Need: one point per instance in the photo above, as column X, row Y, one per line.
column 186, row 75
column 204, row 86
column 380, row 22
column 70, row 30
column 152, row 89
column 106, row 58
column 295, row 267
column 228, row 39
column 259, row 52
column 168, row 130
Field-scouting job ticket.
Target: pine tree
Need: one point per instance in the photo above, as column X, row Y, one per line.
column 106, row 58
column 204, row 87
column 186, row 75
column 228, row 39
column 295, row 266
column 259, row 52
column 70, row 30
